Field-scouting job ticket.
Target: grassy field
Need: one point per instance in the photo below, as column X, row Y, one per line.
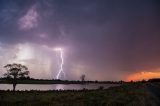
column 128, row 94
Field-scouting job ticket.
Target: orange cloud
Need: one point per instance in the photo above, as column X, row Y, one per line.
column 143, row 75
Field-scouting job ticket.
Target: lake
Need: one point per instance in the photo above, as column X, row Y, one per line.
column 55, row 86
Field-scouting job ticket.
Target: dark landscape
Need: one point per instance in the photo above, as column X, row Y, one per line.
column 136, row 94
column 142, row 93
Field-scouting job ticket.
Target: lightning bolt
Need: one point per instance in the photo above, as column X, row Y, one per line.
column 61, row 64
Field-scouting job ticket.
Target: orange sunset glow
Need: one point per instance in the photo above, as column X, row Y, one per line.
column 143, row 76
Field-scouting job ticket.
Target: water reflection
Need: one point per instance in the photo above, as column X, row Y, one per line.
column 60, row 87
column 55, row 86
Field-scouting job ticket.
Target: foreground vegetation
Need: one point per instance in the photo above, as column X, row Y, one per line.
column 128, row 94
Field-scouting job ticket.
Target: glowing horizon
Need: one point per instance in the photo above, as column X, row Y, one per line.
column 143, row 76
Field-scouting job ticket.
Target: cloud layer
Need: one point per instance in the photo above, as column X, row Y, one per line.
column 106, row 40
column 29, row 20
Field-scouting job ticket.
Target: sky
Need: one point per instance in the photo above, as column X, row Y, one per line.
column 103, row 39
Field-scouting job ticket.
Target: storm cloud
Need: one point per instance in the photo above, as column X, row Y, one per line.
column 104, row 39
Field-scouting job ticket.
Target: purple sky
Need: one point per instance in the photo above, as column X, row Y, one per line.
column 103, row 39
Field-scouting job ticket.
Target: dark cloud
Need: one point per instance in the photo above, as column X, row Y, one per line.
column 104, row 35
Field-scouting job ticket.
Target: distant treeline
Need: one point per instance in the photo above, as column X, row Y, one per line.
column 29, row 80
column 154, row 80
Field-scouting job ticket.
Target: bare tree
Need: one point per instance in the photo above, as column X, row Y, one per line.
column 82, row 77
column 15, row 71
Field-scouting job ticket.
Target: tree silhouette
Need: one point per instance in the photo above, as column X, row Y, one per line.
column 82, row 77
column 15, row 71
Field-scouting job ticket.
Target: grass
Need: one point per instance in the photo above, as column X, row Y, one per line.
column 128, row 94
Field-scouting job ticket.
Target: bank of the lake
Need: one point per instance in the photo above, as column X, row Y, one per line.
column 42, row 87
column 128, row 94
column 54, row 81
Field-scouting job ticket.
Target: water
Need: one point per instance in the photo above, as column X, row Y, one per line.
column 55, row 86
